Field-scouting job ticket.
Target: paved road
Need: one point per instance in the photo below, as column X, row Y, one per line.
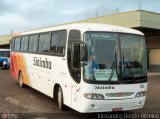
column 29, row 103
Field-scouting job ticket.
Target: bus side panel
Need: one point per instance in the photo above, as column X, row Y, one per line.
column 12, row 65
column 18, row 64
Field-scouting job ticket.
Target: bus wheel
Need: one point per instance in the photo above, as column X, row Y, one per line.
column 20, row 79
column 60, row 99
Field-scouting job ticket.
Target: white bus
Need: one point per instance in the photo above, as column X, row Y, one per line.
column 88, row 67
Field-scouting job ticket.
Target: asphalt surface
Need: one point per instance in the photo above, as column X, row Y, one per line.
column 19, row 103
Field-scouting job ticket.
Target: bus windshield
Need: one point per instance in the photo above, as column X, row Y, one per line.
column 114, row 56
column 4, row 54
column 133, row 52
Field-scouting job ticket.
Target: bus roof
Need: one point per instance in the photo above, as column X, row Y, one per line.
column 86, row 27
column 4, row 49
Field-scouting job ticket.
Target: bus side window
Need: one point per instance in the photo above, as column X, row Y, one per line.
column 33, row 43
column 17, row 43
column 58, row 42
column 44, row 43
column 12, row 44
column 24, row 43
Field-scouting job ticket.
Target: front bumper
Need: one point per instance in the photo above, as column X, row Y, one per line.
column 111, row 105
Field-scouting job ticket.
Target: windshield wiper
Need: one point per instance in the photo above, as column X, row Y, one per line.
column 130, row 71
column 125, row 65
column 113, row 67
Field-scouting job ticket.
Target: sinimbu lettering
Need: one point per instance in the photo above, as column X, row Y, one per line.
column 104, row 87
column 42, row 63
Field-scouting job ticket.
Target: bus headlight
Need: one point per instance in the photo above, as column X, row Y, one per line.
column 140, row 94
column 94, row 96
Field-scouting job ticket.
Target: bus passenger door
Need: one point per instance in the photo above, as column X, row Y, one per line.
column 75, row 72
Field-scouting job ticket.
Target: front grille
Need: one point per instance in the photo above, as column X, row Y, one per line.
column 119, row 94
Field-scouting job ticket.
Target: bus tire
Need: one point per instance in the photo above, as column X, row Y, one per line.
column 60, row 99
column 20, row 80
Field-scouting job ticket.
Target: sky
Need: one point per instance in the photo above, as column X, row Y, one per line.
column 22, row 15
